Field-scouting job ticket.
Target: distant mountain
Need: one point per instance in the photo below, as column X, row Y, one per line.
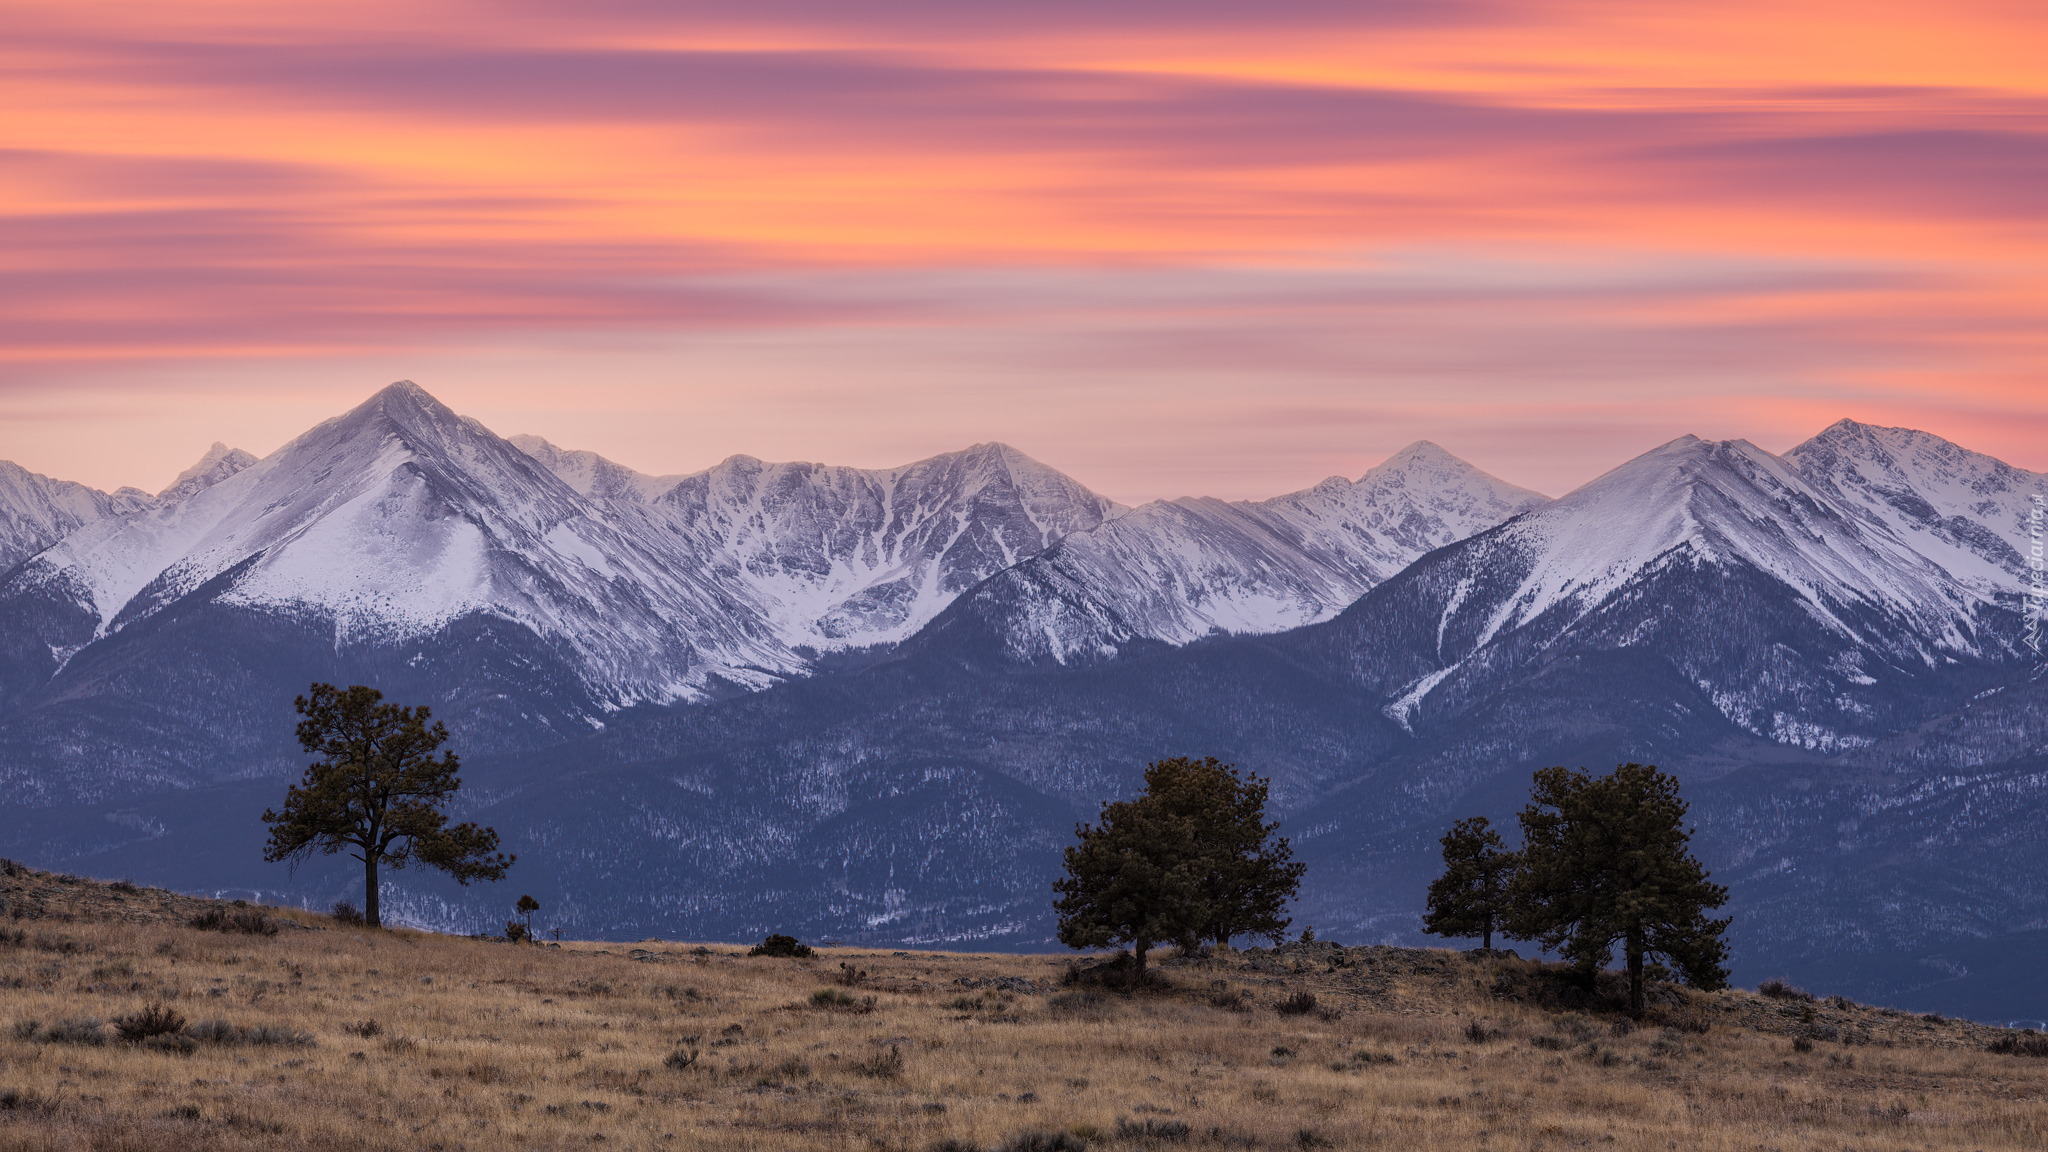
column 1180, row 570
column 703, row 705
column 837, row 558
column 36, row 511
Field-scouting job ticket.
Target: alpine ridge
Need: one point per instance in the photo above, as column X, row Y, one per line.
column 871, row 703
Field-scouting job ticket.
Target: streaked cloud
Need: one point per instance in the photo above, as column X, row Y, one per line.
column 1281, row 240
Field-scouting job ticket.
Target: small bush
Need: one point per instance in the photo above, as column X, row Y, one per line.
column 1230, row 1000
column 1780, row 990
column 126, row 887
column 785, row 946
column 345, row 912
column 681, row 1059
column 833, row 1000
column 883, row 1065
column 1176, row 1131
column 1078, row 1003
column 23, row 1100
column 1300, row 1004
column 1550, row 1043
column 1043, row 1142
column 1479, row 1033
column 248, row 921
column 85, row 1030
column 850, row 976
column 364, row 1028
column 1801, row 1044
column 154, row 1020
column 516, row 932
column 2028, row 1043
column 228, row 1035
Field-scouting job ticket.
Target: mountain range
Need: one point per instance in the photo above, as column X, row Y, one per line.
column 871, row 703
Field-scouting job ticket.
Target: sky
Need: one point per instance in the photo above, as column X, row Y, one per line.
column 1170, row 247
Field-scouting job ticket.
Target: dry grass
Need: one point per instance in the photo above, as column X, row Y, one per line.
column 340, row 1038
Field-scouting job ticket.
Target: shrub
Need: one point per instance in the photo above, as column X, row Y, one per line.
column 883, row 1065
column 1043, row 1142
column 516, row 932
column 1230, row 1000
column 1780, row 990
column 784, row 946
column 2028, row 1043
column 1176, row 1131
column 1550, row 1043
column 1078, row 1003
column 364, row 1028
column 1300, row 1004
column 154, row 1020
column 1801, row 1044
column 833, row 1000
column 228, row 1035
column 1478, row 1033
column 681, row 1059
column 126, row 887
column 850, row 976
column 345, row 912
column 248, row 921
column 84, row 1030
column 23, row 1100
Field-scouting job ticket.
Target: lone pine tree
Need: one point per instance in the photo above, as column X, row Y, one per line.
column 377, row 792
column 1192, row 858
column 1605, row 863
column 1248, row 875
column 1471, row 897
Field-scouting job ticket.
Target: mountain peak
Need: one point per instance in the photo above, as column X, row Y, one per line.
column 219, row 463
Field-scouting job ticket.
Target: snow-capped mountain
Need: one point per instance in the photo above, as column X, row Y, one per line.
column 1797, row 614
column 1174, row 571
column 388, row 525
column 837, row 558
column 36, row 511
column 1963, row 510
column 219, row 463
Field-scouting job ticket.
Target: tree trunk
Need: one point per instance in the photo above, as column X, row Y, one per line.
column 1635, row 977
column 1489, row 933
column 370, row 915
column 1138, row 948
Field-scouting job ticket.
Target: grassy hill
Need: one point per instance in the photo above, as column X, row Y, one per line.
column 123, row 1026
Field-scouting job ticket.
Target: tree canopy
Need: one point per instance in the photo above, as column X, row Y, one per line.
column 1192, row 858
column 1605, row 862
column 377, row 793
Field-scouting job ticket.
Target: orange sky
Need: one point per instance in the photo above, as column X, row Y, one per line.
column 1192, row 247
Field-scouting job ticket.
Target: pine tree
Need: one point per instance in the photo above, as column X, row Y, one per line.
column 1605, row 862
column 1135, row 878
column 377, row 793
column 1249, row 875
column 1471, row 897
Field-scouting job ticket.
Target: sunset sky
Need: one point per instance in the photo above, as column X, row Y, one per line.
column 1168, row 246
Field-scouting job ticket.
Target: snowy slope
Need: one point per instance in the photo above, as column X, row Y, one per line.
column 839, row 557
column 36, row 511
column 1793, row 612
column 219, row 463
column 1965, row 511
column 394, row 521
column 1178, row 570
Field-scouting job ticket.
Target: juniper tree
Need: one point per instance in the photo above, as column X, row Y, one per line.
column 377, row 793
column 1471, row 897
column 1605, row 863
